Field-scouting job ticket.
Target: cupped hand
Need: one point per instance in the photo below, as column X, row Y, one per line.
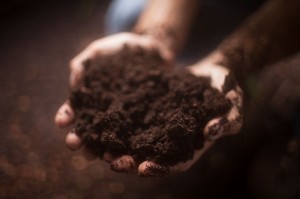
column 224, row 82
column 220, row 126
column 98, row 49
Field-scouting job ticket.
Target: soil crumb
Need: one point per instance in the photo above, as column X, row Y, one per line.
column 135, row 104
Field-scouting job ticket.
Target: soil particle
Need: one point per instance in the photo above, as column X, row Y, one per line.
column 135, row 104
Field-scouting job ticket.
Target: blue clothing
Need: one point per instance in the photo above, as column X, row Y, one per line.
column 122, row 15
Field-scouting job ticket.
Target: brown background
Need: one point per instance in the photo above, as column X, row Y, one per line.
column 37, row 40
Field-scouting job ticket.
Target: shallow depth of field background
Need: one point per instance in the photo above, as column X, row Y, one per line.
column 37, row 40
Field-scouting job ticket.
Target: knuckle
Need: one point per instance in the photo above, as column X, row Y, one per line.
column 221, row 127
column 93, row 45
column 235, row 98
column 234, row 115
column 125, row 37
column 151, row 169
column 73, row 63
column 124, row 163
column 236, row 125
column 215, row 129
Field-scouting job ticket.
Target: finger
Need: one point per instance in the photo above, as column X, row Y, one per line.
column 235, row 122
column 99, row 48
column 236, row 98
column 215, row 129
column 216, row 73
column 124, row 163
column 222, row 126
column 234, row 117
column 152, row 169
column 82, row 62
column 231, row 123
column 73, row 141
column 77, row 66
column 65, row 115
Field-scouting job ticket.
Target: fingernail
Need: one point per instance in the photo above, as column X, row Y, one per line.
column 151, row 169
column 73, row 141
column 214, row 132
column 64, row 115
column 123, row 164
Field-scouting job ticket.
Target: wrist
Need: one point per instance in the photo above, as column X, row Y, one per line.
column 164, row 36
column 168, row 21
column 216, row 57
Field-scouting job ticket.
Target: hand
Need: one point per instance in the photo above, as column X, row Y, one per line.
column 100, row 49
column 223, row 125
column 227, row 124
column 222, row 80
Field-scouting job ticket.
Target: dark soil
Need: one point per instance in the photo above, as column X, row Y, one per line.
column 135, row 104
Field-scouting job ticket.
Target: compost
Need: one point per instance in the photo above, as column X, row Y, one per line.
column 134, row 103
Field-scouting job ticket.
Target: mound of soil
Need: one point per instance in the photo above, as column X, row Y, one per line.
column 135, row 104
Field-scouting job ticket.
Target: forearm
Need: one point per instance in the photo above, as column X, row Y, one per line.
column 272, row 33
column 168, row 20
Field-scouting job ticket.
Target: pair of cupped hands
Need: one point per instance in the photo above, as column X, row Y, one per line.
column 223, row 125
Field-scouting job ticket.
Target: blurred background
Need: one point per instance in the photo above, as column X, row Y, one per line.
column 37, row 40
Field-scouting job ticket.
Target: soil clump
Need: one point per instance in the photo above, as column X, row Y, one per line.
column 135, row 104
